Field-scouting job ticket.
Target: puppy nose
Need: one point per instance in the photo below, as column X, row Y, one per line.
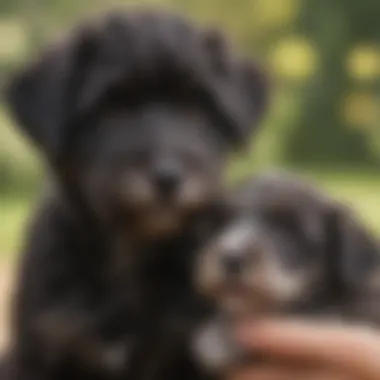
column 232, row 264
column 167, row 178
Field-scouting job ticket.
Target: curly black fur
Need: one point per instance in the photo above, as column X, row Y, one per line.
column 105, row 285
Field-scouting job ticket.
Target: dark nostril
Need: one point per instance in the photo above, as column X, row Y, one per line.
column 167, row 178
column 232, row 264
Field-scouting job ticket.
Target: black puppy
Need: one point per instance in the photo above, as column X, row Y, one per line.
column 287, row 249
column 135, row 115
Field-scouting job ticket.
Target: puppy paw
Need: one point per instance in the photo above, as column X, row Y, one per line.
column 115, row 358
column 214, row 348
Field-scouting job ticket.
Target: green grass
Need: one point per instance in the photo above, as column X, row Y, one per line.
column 14, row 214
column 362, row 191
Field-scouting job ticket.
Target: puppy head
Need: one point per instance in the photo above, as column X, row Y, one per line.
column 288, row 248
column 153, row 167
column 138, row 112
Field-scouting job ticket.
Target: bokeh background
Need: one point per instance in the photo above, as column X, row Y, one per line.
column 323, row 57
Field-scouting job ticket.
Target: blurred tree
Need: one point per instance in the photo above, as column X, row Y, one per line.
column 321, row 134
column 7, row 6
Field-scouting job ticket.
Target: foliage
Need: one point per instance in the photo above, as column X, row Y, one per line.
column 321, row 134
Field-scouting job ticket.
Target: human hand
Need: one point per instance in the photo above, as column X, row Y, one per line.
column 310, row 351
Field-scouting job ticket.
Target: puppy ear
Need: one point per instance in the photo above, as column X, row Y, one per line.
column 353, row 254
column 245, row 101
column 42, row 97
column 256, row 84
column 239, row 89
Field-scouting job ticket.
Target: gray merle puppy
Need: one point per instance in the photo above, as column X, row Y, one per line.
column 135, row 115
column 287, row 249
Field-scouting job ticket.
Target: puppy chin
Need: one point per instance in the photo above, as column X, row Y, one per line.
column 235, row 305
column 161, row 223
column 241, row 301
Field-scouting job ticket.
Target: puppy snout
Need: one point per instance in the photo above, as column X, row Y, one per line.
column 232, row 264
column 167, row 178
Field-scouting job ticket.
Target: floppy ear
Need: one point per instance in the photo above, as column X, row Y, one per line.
column 353, row 254
column 42, row 97
column 245, row 101
column 256, row 87
column 239, row 90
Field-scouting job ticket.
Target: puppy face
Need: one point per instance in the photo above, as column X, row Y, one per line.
column 255, row 266
column 152, row 165
column 136, row 113
column 289, row 249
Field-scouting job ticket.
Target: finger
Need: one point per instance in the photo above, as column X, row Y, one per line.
column 286, row 373
column 354, row 349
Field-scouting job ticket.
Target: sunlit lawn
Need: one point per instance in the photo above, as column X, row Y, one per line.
column 362, row 191
column 14, row 212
